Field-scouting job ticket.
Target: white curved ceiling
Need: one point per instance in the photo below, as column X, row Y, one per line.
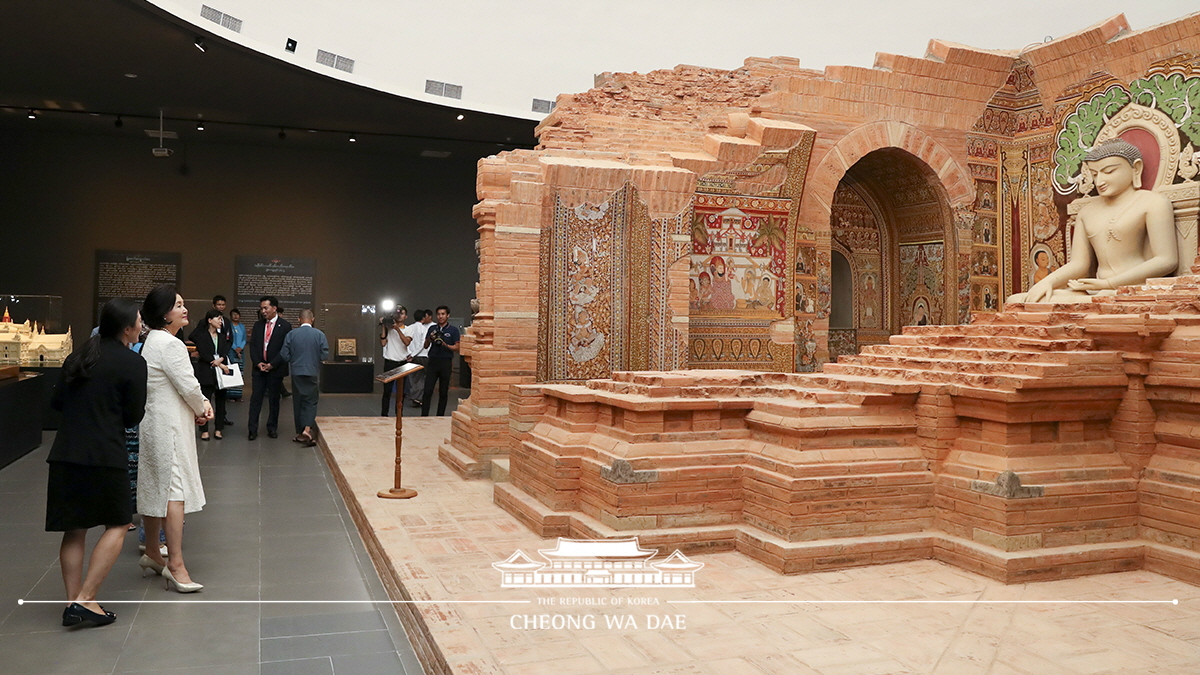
column 505, row 53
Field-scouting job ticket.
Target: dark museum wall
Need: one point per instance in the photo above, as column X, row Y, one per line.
column 378, row 225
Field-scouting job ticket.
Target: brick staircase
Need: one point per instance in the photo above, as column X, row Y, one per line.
column 1012, row 446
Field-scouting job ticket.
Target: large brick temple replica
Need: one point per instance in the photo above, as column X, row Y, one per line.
column 763, row 310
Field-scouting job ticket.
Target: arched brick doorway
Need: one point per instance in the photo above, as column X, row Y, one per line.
column 891, row 218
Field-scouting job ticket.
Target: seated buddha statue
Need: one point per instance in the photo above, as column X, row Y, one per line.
column 1127, row 235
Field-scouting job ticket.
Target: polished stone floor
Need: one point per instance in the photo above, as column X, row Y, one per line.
column 275, row 528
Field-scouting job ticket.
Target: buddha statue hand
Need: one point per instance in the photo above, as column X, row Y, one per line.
column 1085, row 285
column 1040, row 292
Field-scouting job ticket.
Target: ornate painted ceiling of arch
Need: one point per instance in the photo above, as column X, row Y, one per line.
column 896, row 180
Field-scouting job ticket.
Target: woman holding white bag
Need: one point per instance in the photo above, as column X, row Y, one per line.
column 211, row 348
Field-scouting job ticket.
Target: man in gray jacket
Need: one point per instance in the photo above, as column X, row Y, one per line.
column 304, row 349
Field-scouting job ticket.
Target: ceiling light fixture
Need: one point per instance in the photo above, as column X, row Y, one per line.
column 32, row 116
column 118, row 123
column 353, row 139
column 199, row 44
column 460, row 118
column 200, row 125
column 161, row 151
column 282, row 134
column 131, row 75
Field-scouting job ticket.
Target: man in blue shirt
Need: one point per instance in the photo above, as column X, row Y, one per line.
column 304, row 349
column 442, row 341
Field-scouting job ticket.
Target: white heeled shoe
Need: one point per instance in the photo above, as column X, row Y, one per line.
column 147, row 564
column 169, row 581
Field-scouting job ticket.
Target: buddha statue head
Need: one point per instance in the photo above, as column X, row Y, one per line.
column 1115, row 166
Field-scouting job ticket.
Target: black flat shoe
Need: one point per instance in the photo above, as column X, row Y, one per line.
column 252, row 435
column 272, row 434
column 76, row 614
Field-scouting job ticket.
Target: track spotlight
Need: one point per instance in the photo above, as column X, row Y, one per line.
column 199, row 44
column 118, row 123
column 200, row 125
column 32, row 116
column 353, row 139
column 282, row 134
column 460, row 118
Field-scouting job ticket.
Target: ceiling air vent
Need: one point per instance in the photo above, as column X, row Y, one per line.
column 443, row 89
column 334, row 61
column 217, row 16
column 541, row 105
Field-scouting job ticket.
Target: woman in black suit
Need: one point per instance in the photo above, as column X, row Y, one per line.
column 212, row 344
column 101, row 392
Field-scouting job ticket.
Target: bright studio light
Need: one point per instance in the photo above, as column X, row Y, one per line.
column 387, row 304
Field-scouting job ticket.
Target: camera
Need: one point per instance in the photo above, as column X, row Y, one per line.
column 435, row 336
column 387, row 321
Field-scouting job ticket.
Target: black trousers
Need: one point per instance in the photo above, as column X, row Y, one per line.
column 217, row 398
column 437, row 373
column 414, row 385
column 385, row 406
column 265, row 384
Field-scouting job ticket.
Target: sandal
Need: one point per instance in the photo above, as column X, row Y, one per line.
column 217, row 435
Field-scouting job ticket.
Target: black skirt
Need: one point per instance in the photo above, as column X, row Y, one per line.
column 79, row 497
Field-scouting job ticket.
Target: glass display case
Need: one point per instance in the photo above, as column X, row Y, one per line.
column 352, row 331
column 45, row 310
column 353, row 334
column 31, row 331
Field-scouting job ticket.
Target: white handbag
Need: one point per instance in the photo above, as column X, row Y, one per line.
column 231, row 381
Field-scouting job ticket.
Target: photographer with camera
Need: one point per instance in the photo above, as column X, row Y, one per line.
column 395, row 338
column 442, row 340
column 414, row 385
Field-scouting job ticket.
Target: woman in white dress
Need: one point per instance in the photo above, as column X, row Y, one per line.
column 168, row 469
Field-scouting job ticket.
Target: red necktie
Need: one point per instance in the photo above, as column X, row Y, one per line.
column 267, row 338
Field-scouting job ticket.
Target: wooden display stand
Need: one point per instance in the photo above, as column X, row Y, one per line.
column 397, row 375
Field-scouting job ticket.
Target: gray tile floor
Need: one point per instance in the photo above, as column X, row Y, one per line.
column 275, row 528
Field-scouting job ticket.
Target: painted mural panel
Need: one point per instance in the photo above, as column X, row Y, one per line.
column 921, row 295
column 855, row 228
column 584, row 284
column 869, row 295
column 602, row 264
column 739, row 256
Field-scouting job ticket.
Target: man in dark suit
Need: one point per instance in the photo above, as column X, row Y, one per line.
column 267, row 366
column 304, row 350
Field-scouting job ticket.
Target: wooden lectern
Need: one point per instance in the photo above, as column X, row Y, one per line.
column 397, row 375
